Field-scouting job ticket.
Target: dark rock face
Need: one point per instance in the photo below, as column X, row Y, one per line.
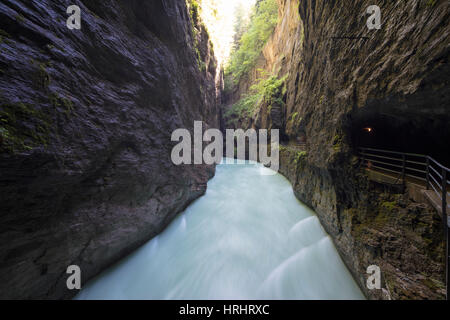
column 403, row 68
column 372, row 227
column 395, row 79
column 87, row 117
column 399, row 73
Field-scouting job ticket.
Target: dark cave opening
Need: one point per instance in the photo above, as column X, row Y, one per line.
column 401, row 132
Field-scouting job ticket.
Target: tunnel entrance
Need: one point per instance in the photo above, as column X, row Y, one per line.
column 391, row 130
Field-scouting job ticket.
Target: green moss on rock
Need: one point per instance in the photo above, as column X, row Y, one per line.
column 57, row 101
column 300, row 159
column 22, row 127
column 337, row 143
column 389, row 205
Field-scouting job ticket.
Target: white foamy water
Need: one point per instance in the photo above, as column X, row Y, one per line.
column 248, row 237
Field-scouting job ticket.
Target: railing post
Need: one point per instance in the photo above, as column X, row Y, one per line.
column 446, row 227
column 428, row 173
column 444, row 196
column 362, row 158
column 403, row 168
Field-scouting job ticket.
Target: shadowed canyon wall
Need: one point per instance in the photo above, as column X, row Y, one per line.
column 86, row 121
column 86, row 117
column 341, row 77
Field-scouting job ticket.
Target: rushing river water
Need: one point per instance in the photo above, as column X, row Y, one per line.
column 247, row 238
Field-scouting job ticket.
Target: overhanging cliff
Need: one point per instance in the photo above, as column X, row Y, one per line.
column 86, row 174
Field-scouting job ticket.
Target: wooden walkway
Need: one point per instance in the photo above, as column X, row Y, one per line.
column 426, row 180
column 389, row 178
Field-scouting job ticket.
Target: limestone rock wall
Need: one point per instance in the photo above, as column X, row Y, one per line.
column 86, row 121
column 340, row 72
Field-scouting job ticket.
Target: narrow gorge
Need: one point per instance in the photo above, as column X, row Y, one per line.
column 330, row 77
column 87, row 178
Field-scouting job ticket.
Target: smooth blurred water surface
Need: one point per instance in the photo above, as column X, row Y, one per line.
column 247, row 238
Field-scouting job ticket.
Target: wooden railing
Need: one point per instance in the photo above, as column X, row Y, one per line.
column 416, row 167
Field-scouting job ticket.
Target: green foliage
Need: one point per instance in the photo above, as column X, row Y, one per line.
column 228, row 84
column 261, row 27
column 431, row 3
column 270, row 90
column 202, row 66
column 196, row 26
column 300, row 157
column 267, row 90
column 244, row 107
column 194, row 11
column 240, row 25
column 389, row 205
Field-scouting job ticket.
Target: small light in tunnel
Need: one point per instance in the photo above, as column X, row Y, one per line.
column 368, row 129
